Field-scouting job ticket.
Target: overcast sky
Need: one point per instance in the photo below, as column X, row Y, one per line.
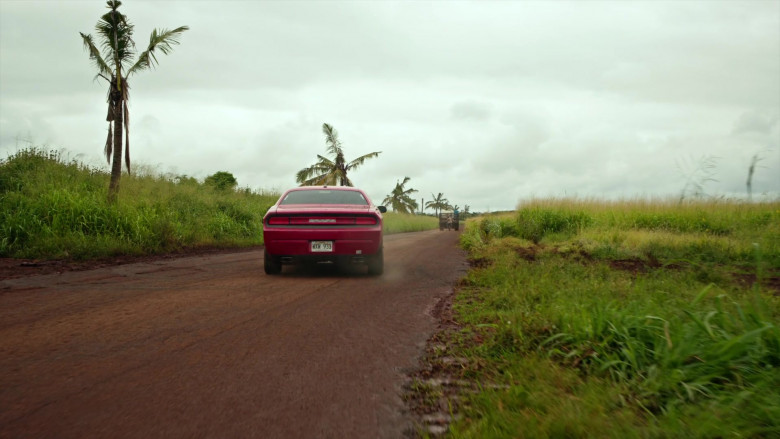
column 490, row 103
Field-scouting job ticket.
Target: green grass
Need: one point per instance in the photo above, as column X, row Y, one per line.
column 706, row 232
column 53, row 208
column 623, row 319
column 400, row 222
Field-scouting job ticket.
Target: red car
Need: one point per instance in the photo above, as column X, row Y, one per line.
column 323, row 224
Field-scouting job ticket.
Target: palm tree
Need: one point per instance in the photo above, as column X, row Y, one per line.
column 400, row 198
column 438, row 203
column 118, row 50
column 331, row 171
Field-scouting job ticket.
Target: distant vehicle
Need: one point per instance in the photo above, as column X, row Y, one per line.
column 336, row 224
column 449, row 220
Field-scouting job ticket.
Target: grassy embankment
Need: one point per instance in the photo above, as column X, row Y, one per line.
column 625, row 319
column 401, row 222
column 52, row 208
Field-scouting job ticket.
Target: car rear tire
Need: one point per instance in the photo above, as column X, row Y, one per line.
column 271, row 264
column 376, row 263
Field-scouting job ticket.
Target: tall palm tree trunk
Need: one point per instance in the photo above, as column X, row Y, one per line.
column 116, row 164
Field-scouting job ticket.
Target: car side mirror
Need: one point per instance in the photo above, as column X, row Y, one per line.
column 382, row 209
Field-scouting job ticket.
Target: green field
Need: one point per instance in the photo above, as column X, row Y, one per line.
column 646, row 319
column 53, row 208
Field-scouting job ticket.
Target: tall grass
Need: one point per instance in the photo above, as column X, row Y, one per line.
column 714, row 231
column 54, row 208
column 630, row 319
column 400, row 222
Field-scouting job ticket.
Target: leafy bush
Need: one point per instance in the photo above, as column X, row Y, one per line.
column 221, row 181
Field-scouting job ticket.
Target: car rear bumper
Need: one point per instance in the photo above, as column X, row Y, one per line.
column 346, row 242
column 314, row 259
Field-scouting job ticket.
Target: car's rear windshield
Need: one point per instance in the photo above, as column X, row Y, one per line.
column 325, row 196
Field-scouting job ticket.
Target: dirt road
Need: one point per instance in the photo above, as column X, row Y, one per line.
column 210, row 346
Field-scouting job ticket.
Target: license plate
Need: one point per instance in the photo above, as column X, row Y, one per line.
column 322, row 246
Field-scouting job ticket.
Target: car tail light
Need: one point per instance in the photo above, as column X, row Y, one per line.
column 322, row 220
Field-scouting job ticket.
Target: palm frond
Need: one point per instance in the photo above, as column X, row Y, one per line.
column 312, row 173
column 116, row 43
column 409, row 204
column 354, row 164
column 104, row 71
column 125, row 90
column 117, row 37
column 162, row 40
column 331, row 139
column 127, row 134
column 324, row 171
column 110, row 112
column 303, row 175
column 319, row 180
column 406, row 192
column 108, row 149
column 113, row 4
column 324, row 161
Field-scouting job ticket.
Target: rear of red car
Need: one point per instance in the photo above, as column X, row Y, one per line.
column 323, row 224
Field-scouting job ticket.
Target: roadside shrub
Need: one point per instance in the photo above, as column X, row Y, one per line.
column 493, row 227
column 472, row 239
column 221, row 181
